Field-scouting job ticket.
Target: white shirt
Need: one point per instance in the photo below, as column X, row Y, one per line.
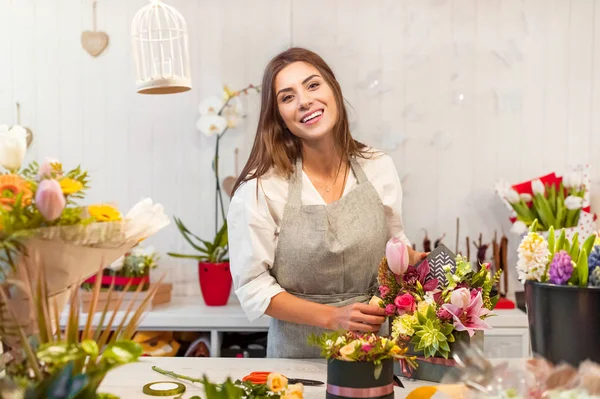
column 254, row 221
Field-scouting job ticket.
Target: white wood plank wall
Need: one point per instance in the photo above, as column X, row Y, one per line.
column 460, row 92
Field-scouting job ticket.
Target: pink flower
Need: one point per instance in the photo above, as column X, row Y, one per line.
column 460, row 298
column 45, row 170
column 405, row 303
column 384, row 290
column 367, row 348
column 390, row 309
column 444, row 315
column 475, row 291
column 49, row 199
column 414, row 274
column 396, row 253
column 469, row 319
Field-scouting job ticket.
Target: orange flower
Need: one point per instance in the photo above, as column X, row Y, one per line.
column 10, row 187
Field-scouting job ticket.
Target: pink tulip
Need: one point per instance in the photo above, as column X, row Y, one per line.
column 396, row 253
column 46, row 169
column 49, row 199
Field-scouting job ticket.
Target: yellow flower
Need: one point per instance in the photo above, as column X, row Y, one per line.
column 404, row 325
column 70, row 186
column 276, row 382
column 104, row 213
column 422, row 307
column 294, row 391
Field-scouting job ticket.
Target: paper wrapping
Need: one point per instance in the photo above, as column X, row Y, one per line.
column 586, row 224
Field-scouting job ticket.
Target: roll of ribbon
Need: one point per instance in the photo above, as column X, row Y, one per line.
column 163, row 388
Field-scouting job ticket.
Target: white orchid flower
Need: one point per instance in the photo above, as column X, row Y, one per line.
column 519, row 228
column 13, row 145
column 573, row 202
column 233, row 112
column 211, row 124
column 538, row 187
column 210, row 106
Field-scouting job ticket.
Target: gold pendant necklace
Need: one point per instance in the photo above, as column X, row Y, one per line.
column 327, row 189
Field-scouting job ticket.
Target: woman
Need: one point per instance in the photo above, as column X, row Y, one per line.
column 311, row 212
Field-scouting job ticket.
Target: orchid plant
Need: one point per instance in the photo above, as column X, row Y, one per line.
column 425, row 315
column 558, row 260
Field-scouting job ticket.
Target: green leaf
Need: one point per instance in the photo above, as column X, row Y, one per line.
column 551, row 241
column 444, row 346
column 378, row 369
column 90, row 347
column 561, row 240
column 588, row 244
column 421, row 318
column 574, row 250
column 197, row 257
column 122, row 352
column 582, row 269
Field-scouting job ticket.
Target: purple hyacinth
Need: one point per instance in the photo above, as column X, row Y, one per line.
column 561, row 268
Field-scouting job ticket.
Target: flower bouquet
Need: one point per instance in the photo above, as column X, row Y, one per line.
column 359, row 365
column 562, row 291
column 429, row 314
column 42, row 223
column 561, row 202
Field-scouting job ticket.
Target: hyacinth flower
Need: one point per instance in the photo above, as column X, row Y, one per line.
column 594, row 259
column 561, row 268
column 469, row 318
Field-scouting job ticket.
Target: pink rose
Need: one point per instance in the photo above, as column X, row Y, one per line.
column 390, row 309
column 396, row 253
column 460, row 298
column 384, row 290
column 405, row 303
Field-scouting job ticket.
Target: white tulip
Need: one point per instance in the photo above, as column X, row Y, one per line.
column 573, row 202
column 519, row 228
column 210, row 106
column 526, row 197
column 13, row 145
column 211, row 125
column 573, row 180
column 513, row 196
column 538, row 187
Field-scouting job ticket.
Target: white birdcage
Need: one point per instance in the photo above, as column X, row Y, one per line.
column 160, row 50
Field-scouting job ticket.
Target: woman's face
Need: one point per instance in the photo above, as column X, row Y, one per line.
column 305, row 101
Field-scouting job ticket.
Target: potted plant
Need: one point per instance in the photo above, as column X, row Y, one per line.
column 430, row 314
column 562, row 292
column 359, row 365
column 213, row 265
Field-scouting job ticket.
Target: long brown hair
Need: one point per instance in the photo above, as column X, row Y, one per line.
column 276, row 146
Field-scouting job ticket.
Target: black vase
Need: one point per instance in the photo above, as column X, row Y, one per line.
column 356, row 379
column 564, row 322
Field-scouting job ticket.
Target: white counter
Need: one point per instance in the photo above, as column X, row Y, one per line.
column 508, row 339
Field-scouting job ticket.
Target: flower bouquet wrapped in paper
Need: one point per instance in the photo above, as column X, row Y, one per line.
column 359, row 365
column 43, row 223
column 428, row 313
column 557, row 201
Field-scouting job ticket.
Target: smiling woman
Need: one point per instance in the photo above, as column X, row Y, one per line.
column 311, row 212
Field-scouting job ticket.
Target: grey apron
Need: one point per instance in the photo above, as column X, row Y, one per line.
column 327, row 254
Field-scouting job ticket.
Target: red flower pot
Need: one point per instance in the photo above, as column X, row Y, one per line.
column 215, row 282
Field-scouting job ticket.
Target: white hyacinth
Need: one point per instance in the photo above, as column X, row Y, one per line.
column 533, row 257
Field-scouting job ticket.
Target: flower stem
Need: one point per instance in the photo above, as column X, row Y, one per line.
column 218, row 196
column 175, row 375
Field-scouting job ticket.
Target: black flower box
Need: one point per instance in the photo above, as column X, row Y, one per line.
column 347, row 379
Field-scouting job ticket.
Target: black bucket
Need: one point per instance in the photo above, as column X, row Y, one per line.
column 564, row 322
column 357, row 380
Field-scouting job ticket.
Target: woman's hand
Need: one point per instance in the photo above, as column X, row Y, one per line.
column 357, row 317
column 414, row 257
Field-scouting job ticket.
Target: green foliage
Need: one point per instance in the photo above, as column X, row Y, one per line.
column 431, row 335
column 212, row 252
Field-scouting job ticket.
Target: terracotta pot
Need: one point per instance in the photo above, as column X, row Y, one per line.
column 215, row 282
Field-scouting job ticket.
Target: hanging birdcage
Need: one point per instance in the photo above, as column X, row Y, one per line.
column 160, row 50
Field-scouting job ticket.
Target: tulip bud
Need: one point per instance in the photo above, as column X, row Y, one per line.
column 513, row 196
column 396, row 253
column 13, row 144
column 49, row 199
column 526, row 197
column 46, row 169
column 573, row 202
column 538, row 187
column 519, row 227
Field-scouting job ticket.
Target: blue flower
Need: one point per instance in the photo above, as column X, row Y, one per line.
column 595, row 277
column 594, row 258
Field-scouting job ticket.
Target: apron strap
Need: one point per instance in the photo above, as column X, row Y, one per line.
column 295, row 185
column 358, row 171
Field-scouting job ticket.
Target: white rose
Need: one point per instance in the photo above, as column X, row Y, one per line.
column 573, row 202
column 461, row 298
column 376, row 301
column 13, row 145
column 538, row 187
column 348, row 350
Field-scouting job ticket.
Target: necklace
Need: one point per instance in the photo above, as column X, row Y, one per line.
column 327, row 188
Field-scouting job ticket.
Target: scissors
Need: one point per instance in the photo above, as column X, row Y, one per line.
column 260, row 377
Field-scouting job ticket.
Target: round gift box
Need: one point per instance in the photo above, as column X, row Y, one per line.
column 357, row 380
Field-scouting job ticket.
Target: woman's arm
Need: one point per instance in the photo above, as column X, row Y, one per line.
column 354, row 317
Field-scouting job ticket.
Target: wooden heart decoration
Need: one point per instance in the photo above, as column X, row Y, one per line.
column 94, row 42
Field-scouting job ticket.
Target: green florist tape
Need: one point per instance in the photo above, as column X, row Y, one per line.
column 163, row 388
